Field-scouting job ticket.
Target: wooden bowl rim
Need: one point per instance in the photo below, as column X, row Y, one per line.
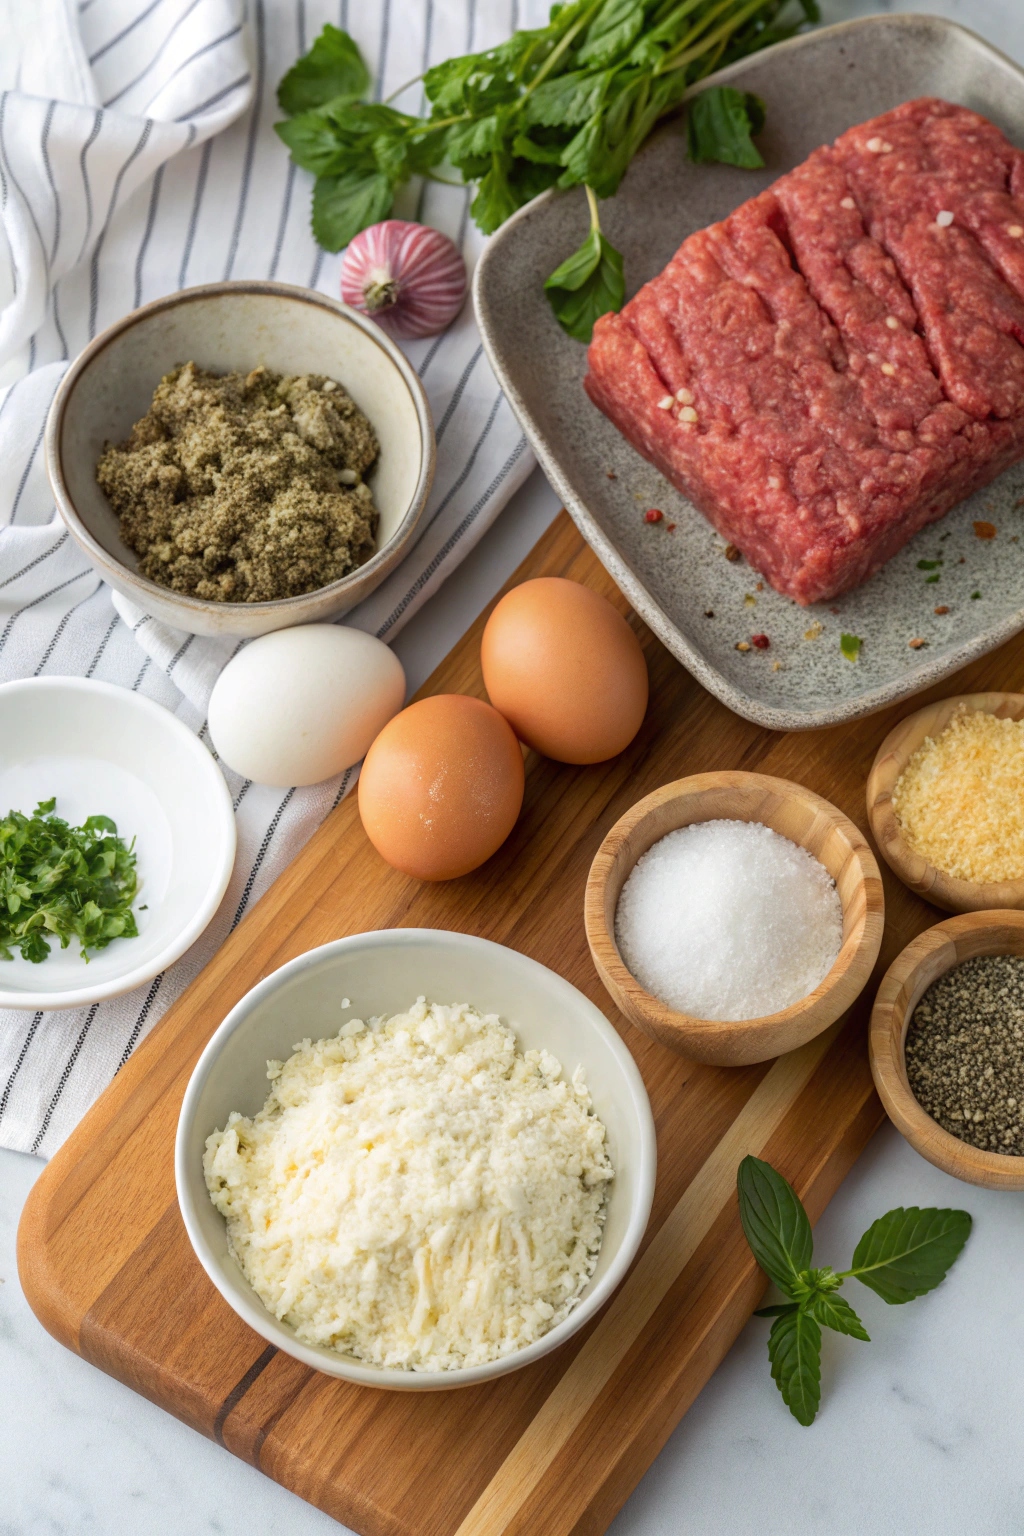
column 938, row 887
column 992, row 1170
column 857, row 954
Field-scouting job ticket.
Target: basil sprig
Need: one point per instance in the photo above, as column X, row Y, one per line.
column 564, row 105
column 902, row 1255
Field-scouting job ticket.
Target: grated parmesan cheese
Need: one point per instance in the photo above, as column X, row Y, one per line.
column 959, row 800
column 416, row 1192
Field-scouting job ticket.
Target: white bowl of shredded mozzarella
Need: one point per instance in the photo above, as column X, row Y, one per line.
column 451, row 1170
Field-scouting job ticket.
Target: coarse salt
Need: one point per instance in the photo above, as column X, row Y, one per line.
column 729, row 920
column 944, row 219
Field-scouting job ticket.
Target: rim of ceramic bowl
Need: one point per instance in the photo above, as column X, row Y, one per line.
column 147, row 709
column 288, row 608
column 330, row 1361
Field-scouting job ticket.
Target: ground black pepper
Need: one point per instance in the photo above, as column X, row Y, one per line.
column 965, row 1052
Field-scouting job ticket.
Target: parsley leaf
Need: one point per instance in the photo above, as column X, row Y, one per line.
column 588, row 284
column 343, row 205
column 721, row 125
column 332, row 68
column 63, row 882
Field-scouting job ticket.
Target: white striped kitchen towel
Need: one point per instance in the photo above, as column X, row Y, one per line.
column 137, row 156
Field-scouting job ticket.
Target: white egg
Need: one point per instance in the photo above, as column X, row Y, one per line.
column 301, row 705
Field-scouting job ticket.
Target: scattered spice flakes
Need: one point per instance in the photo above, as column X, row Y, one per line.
column 942, row 608
column 984, row 530
column 833, row 610
column 850, row 645
column 709, row 613
column 917, row 643
column 930, row 581
column 760, row 642
column 1014, row 538
column 611, row 474
column 814, row 631
column 929, row 565
column 749, row 600
column 652, row 515
column 742, row 645
column 670, row 527
column 975, row 596
column 760, row 586
column 776, row 666
column 731, row 552
column 961, row 560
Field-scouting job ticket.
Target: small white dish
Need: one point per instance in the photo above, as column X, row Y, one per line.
column 233, row 327
column 102, row 750
column 383, row 973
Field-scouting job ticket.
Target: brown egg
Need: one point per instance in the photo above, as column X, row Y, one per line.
column 565, row 669
column 441, row 786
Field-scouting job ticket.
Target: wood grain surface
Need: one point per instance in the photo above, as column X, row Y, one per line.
column 924, row 960
column 794, row 812
column 558, row 1447
column 935, row 885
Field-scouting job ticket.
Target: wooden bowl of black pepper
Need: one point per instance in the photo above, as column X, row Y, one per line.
column 966, row 1048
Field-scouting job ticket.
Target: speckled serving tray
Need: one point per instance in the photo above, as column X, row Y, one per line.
column 698, row 603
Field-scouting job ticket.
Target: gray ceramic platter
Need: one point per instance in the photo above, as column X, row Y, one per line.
column 815, row 87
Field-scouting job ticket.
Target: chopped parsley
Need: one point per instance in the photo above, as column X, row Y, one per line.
column 850, row 646
column 62, row 882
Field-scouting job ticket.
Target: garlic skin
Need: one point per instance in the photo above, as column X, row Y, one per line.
column 408, row 277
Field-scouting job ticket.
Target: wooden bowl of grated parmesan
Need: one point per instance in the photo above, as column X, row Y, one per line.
column 945, row 801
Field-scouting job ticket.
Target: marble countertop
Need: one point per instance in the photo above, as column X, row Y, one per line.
column 919, row 1431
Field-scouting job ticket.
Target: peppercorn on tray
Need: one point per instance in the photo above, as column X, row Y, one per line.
column 558, row 1446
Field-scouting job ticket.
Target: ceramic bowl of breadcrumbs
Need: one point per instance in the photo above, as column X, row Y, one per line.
column 241, row 457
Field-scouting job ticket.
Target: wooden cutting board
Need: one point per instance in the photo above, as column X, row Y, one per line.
column 558, row 1447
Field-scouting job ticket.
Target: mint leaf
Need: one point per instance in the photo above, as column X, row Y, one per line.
column 720, row 126
column 343, row 205
column 586, row 286
column 495, row 200
column 567, row 100
column 775, row 1224
column 794, row 1349
column 314, row 144
column 832, row 1311
column 906, row 1253
column 332, row 68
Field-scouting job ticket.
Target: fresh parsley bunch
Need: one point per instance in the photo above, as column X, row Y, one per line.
column 63, row 882
column 564, row 105
column 902, row 1255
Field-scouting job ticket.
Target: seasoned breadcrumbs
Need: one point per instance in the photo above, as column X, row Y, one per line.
column 960, row 799
column 243, row 488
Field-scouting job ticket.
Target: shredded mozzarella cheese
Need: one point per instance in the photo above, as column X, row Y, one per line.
column 416, row 1192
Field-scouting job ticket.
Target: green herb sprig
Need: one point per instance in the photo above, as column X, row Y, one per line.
column 902, row 1255
column 63, row 882
column 564, row 105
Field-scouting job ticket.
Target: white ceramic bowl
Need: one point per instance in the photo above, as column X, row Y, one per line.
column 227, row 327
column 102, row 750
column 384, row 973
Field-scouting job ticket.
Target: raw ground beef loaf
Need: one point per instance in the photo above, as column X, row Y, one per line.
column 842, row 359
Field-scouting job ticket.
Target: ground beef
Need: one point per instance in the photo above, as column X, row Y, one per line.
column 842, row 359
column 244, row 488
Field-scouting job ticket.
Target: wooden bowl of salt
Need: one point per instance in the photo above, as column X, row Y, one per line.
column 797, row 814
column 935, row 885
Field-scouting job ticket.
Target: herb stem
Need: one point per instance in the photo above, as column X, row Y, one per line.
column 675, row 60
column 560, row 47
column 595, row 217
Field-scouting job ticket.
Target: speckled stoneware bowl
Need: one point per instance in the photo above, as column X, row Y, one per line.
column 233, row 327
column 697, row 602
